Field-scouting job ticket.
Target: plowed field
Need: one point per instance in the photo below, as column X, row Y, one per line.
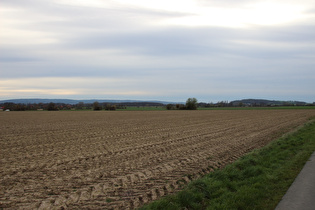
column 121, row 160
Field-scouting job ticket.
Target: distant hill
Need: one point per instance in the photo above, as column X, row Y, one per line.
column 264, row 102
column 70, row 101
column 244, row 102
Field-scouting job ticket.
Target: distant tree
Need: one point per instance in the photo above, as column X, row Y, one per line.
column 8, row 105
column 96, row 106
column 169, row 106
column 181, row 107
column 120, row 106
column 40, row 106
column 52, row 107
column 191, row 104
column 113, row 107
column 80, row 105
column 110, row 107
column 107, row 107
column 66, row 106
column 223, row 103
column 20, row 107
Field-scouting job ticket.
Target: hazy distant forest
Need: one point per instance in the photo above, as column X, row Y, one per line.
column 191, row 104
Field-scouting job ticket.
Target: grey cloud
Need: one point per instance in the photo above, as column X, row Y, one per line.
column 311, row 10
column 70, row 69
column 204, row 41
column 217, row 61
column 161, row 43
column 93, row 28
column 64, row 22
column 225, row 3
column 12, row 55
column 87, row 13
column 14, row 59
column 209, row 43
column 302, row 33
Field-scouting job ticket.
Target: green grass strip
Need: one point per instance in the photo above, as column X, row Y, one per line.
column 255, row 181
column 257, row 108
column 143, row 108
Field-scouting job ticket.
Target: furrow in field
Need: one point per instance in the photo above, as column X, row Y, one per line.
column 124, row 159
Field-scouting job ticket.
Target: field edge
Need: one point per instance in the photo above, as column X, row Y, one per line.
column 257, row 180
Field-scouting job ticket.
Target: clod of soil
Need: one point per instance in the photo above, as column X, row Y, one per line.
column 115, row 160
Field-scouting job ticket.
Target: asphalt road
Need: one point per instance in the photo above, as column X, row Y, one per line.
column 301, row 194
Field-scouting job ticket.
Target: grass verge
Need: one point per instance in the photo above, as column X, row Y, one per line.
column 255, row 181
column 257, row 108
column 143, row 108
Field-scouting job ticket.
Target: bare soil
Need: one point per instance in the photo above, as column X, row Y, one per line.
column 121, row 160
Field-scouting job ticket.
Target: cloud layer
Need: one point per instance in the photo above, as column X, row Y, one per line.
column 167, row 50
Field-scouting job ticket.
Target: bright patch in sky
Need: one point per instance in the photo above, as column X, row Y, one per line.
column 196, row 14
column 256, row 14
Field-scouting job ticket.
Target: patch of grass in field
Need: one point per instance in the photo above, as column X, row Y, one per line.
column 255, row 181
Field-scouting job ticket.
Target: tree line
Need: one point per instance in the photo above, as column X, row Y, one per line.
column 79, row 106
column 191, row 104
column 58, row 106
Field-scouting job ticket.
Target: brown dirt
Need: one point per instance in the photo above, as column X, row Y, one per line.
column 121, row 160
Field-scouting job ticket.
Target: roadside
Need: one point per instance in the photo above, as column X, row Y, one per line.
column 301, row 194
column 256, row 181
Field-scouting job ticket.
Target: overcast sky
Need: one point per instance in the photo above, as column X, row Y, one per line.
column 163, row 50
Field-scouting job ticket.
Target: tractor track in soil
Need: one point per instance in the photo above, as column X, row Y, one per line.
column 122, row 160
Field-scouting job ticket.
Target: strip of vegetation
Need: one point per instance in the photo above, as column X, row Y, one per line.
column 256, row 108
column 143, row 108
column 255, row 181
column 191, row 104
